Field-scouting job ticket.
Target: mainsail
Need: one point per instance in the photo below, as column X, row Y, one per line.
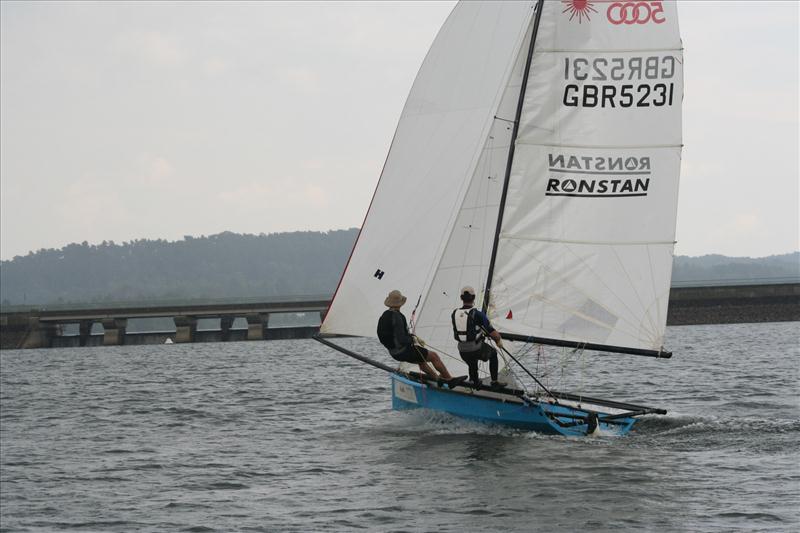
column 578, row 249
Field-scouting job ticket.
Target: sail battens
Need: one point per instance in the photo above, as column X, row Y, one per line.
column 509, row 236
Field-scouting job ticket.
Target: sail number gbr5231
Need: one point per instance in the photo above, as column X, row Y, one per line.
column 651, row 81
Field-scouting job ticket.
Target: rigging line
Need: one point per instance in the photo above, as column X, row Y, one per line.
column 505, row 120
column 515, row 131
column 413, row 315
column 520, row 365
column 355, row 355
column 527, row 348
column 555, row 400
column 437, row 349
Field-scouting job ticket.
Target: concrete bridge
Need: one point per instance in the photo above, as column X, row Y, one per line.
column 92, row 326
column 45, row 327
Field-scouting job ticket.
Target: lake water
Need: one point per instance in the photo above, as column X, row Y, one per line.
column 290, row 436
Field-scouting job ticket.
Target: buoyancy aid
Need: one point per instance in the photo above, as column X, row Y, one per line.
column 466, row 330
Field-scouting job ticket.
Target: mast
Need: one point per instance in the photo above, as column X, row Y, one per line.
column 520, row 101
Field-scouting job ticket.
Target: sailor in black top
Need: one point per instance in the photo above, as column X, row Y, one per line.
column 402, row 345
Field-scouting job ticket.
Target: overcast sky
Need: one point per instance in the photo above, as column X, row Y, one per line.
column 155, row 120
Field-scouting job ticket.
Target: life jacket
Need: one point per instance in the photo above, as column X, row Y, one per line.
column 466, row 330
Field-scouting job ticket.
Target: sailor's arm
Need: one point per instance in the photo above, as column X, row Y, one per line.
column 487, row 327
column 495, row 335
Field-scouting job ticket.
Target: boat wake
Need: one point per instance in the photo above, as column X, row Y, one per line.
column 433, row 422
column 697, row 425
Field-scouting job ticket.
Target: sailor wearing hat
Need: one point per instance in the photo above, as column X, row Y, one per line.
column 402, row 345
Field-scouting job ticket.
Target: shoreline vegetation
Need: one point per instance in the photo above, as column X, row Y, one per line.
column 232, row 265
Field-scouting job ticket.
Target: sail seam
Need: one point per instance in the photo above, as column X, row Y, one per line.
column 517, row 237
column 600, row 146
column 603, row 50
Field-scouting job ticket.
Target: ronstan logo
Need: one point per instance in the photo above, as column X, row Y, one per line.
column 598, row 177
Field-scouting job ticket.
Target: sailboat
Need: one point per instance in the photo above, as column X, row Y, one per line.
column 537, row 158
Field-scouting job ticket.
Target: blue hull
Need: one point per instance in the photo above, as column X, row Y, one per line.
column 493, row 408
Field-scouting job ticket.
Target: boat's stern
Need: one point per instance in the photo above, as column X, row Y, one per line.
column 405, row 393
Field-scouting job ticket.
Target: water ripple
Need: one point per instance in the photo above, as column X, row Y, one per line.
column 289, row 436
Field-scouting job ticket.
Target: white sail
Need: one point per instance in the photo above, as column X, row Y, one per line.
column 445, row 123
column 585, row 251
column 469, row 248
column 588, row 224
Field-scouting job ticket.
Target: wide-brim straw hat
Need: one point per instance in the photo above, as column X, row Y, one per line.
column 395, row 299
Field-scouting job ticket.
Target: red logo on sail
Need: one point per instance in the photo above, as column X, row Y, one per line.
column 578, row 8
column 627, row 12
column 633, row 12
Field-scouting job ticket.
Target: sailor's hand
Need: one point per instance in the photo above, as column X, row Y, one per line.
column 499, row 343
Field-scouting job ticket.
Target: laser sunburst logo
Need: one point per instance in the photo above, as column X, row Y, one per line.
column 579, row 9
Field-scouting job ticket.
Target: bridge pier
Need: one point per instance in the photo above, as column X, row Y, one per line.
column 114, row 331
column 40, row 334
column 185, row 328
column 225, row 323
column 84, row 330
column 256, row 324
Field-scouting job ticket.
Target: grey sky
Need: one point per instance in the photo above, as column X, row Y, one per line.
column 154, row 120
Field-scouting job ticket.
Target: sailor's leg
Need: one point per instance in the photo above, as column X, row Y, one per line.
column 437, row 363
column 493, row 364
column 425, row 367
column 472, row 365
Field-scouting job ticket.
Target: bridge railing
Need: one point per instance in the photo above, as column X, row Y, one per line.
column 166, row 303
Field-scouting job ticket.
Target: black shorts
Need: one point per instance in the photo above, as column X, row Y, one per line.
column 484, row 353
column 412, row 354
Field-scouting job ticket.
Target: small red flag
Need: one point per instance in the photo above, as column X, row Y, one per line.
column 510, row 315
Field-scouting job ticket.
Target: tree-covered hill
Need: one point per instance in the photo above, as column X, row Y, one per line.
column 231, row 265
column 716, row 269
column 227, row 265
